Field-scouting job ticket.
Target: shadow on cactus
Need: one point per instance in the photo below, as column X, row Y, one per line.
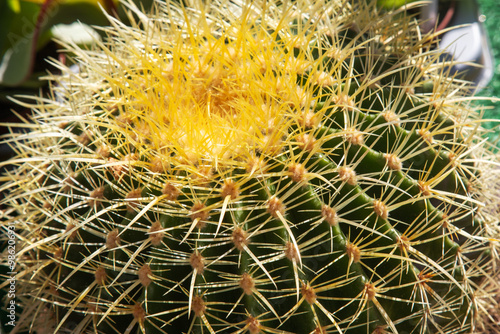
column 255, row 167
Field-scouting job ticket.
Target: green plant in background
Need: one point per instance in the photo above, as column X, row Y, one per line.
column 27, row 32
column 254, row 167
column 26, row 29
column 492, row 14
column 27, row 26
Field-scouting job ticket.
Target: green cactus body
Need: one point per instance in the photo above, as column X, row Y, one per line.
column 255, row 167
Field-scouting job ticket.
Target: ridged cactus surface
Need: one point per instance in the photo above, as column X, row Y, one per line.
column 255, row 167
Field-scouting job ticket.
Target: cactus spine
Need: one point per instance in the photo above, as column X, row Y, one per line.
column 255, row 167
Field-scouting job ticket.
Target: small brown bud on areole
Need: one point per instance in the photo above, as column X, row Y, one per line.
column 100, row 276
column 329, row 215
column 96, row 196
column 308, row 294
column 345, row 101
column 393, row 162
column 139, row 313
column 112, row 239
column 353, row 252
column 72, row 230
column 199, row 211
column 424, row 188
column 348, row 175
column 158, row 165
column 391, row 117
column 134, row 196
column 297, row 172
column 308, row 120
column 370, row 291
column 230, row 188
column 84, row 139
column 255, row 165
column 306, row 142
column 47, row 206
column 247, row 283
column 291, row 252
column 197, row 262
column 253, row 325
column 239, row 238
column 320, row 330
column 144, row 274
column 203, row 176
column 354, row 137
column 379, row 330
column 380, row 209
column 103, row 151
column 426, row 135
column 69, row 182
column 198, row 306
column 323, row 79
column 155, row 234
column 170, row 191
column 403, row 243
column 58, row 253
column 275, row 205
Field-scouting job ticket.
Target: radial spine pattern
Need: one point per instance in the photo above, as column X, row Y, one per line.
column 255, row 167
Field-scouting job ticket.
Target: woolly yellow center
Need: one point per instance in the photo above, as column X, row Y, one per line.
column 212, row 94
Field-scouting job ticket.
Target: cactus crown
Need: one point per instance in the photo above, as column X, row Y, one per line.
column 255, row 167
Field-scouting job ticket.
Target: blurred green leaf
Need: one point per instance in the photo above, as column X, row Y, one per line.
column 15, row 65
column 16, row 22
column 393, row 3
column 21, row 32
column 25, row 27
column 14, row 5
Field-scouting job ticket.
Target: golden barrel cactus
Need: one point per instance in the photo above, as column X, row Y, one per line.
column 255, row 167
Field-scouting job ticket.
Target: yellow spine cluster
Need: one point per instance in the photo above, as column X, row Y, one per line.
column 217, row 159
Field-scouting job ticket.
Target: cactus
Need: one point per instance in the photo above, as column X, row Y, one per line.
column 255, row 167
